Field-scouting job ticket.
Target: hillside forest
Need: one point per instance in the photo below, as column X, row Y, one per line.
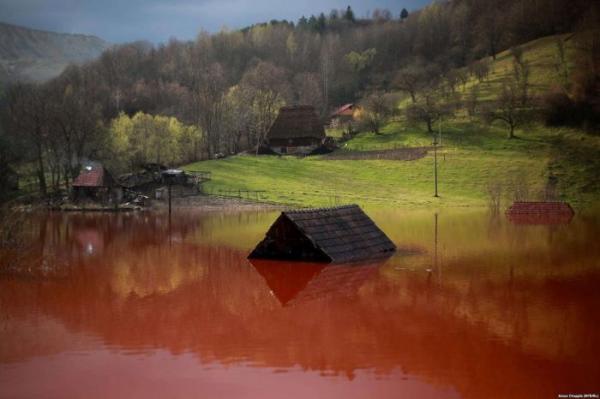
column 185, row 101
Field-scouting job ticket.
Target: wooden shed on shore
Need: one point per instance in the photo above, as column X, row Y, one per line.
column 297, row 130
column 339, row 234
column 96, row 183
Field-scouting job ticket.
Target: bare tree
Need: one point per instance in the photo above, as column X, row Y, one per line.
column 490, row 28
column 429, row 109
column 28, row 116
column 521, row 73
column 410, row 80
column 308, row 90
column 507, row 108
column 267, row 89
column 561, row 64
column 376, row 109
column 480, row 69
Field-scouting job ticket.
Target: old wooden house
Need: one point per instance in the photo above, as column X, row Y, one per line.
column 340, row 234
column 297, row 130
column 97, row 184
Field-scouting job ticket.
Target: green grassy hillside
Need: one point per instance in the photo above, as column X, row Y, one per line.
column 473, row 157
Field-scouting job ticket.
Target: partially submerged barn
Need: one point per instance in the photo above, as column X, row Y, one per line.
column 297, row 130
column 96, row 183
column 340, row 234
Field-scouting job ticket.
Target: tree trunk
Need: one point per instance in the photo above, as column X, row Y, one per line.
column 41, row 171
column 511, row 133
column 412, row 96
column 429, row 128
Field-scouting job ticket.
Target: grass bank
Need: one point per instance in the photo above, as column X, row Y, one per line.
column 472, row 157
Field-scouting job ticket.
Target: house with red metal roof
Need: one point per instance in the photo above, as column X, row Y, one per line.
column 343, row 117
column 96, row 183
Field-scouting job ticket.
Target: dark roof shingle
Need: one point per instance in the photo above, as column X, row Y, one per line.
column 296, row 122
column 342, row 234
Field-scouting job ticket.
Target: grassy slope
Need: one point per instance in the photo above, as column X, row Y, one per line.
column 473, row 155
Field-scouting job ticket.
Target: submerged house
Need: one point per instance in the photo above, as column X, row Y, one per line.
column 540, row 212
column 297, row 130
column 96, row 183
column 340, row 234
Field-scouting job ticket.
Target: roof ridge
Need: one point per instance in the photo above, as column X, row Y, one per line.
column 332, row 208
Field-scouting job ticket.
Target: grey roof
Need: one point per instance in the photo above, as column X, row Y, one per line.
column 342, row 234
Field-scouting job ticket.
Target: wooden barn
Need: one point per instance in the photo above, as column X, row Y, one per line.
column 96, row 183
column 340, row 234
column 297, row 130
column 540, row 212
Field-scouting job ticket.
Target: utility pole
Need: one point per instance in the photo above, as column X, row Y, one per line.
column 170, row 184
column 435, row 166
column 435, row 160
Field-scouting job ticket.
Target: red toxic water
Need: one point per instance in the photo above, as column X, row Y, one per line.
column 140, row 306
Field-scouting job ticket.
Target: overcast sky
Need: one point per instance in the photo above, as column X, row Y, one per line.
column 158, row 20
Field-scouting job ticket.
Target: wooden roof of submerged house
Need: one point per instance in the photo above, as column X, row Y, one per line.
column 94, row 176
column 340, row 234
column 300, row 121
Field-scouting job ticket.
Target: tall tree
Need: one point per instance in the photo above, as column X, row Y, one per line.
column 349, row 14
column 403, row 14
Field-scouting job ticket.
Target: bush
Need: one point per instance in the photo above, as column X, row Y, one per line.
column 558, row 109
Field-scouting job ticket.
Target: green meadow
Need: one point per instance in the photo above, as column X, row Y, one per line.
column 473, row 156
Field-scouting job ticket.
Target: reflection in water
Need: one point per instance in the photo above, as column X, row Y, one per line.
column 176, row 310
column 296, row 282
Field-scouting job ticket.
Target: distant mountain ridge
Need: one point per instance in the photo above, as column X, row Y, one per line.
column 35, row 55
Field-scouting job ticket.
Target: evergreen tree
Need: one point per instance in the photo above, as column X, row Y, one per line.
column 313, row 23
column 321, row 23
column 302, row 22
column 349, row 14
column 403, row 14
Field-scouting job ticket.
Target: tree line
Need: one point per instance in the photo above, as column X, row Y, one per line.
column 225, row 88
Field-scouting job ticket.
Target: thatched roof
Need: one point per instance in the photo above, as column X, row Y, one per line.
column 340, row 234
column 297, row 122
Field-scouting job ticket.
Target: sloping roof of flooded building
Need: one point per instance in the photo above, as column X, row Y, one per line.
column 540, row 212
column 94, row 176
column 295, row 122
column 339, row 234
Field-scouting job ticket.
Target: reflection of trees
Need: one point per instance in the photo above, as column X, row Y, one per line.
column 466, row 330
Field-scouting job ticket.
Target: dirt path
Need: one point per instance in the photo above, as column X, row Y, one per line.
column 399, row 154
